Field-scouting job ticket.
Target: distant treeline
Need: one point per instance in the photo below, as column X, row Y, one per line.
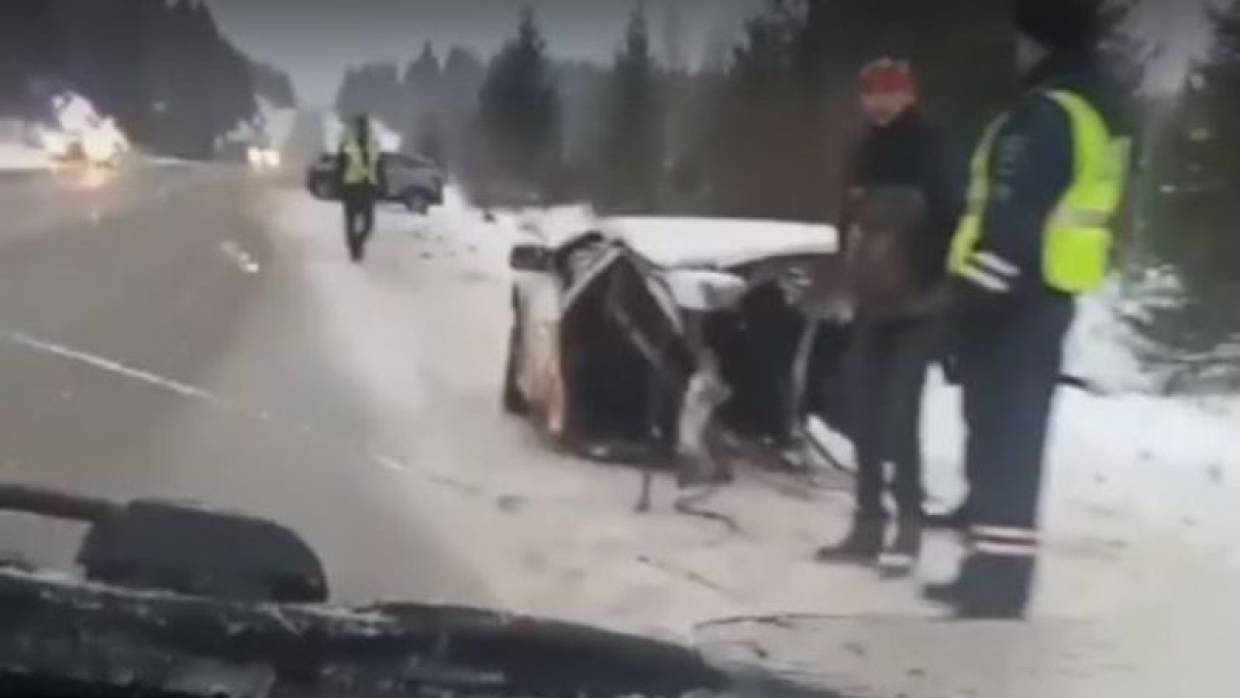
column 160, row 67
column 758, row 128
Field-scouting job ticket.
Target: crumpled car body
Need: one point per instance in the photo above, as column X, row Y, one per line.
column 624, row 327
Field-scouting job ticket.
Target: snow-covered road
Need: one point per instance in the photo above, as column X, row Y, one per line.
column 1140, row 489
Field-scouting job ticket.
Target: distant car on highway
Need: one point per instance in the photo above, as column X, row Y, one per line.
column 412, row 180
column 614, row 320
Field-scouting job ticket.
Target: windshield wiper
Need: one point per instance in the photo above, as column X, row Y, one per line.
column 177, row 547
column 61, row 627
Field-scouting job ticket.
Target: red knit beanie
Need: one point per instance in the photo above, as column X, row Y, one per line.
column 885, row 76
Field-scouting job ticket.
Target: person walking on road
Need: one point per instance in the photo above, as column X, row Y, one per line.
column 1048, row 178
column 358, row 173
column 900, row 210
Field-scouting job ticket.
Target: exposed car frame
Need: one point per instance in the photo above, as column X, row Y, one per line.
column 619, row 327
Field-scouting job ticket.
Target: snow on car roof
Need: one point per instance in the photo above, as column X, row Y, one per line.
column 687, row 241
column 559, row 224
column 670, row 241
column 720, row 242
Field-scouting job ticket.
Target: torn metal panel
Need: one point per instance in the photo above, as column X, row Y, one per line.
column 645, row 304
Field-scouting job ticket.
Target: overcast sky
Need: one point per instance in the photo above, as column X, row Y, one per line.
column 316, row 40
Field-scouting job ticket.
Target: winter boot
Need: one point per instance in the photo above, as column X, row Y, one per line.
column 863, row 544
column 901, row 557
column 958, row 519
column 989, row 587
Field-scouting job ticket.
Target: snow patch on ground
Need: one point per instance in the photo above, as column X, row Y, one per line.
column 1102, row 346
column 17, row 157
column 17, row 151
column 1134, row 482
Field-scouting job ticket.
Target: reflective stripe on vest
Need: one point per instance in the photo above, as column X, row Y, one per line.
column 1077, row 238
column 361, row 164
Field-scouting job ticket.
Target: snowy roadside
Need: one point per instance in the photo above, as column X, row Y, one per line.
column 14, row 157
column 16, row 154
column 421, row 330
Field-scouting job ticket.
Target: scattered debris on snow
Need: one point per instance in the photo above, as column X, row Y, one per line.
column 559, row 537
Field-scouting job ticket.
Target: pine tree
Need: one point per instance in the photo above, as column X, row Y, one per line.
column 461, row 79
column 30, row 51
column 373, row 89
column 423, row 73
column 633, row 147
column 788, row 109
column 423, row 102
column 161, row 68
column 1189, row 207
column 273, row 85
column 518, row 106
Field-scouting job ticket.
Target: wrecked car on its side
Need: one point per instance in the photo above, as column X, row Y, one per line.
column 623, row 328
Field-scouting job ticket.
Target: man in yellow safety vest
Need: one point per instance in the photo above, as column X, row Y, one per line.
column 358, row 172
column 1047, row 181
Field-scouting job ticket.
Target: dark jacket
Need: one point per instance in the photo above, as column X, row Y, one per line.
column 1032, row 167
column 910, row 153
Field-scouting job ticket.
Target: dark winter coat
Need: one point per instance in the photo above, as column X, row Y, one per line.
column 910, row 154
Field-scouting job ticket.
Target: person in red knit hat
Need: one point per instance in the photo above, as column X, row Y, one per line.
column 901, row 204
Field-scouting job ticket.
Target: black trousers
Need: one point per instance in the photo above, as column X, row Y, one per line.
column 1009, row 369
column 359, row 217
column 889, row 362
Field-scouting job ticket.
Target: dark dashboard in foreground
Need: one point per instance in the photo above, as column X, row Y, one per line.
column 183, row 601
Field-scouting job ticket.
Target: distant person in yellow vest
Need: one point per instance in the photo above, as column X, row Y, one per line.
column 358, row 172
column 1047, row 181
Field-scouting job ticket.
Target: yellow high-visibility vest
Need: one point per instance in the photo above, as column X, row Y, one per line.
column 361, row 164
column 1077, row 238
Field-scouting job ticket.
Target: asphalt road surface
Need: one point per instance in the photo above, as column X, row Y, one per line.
column 142, row 354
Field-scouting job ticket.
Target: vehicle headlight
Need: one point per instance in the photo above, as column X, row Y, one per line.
column 273, row 158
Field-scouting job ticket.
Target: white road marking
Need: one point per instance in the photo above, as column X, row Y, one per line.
column 389, row 463
column 104, row 364
column 167, row 384
column 244, row 260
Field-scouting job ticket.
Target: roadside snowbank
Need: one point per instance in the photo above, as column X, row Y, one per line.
column 1135, row 481
column 17, row 157
column 16, row 150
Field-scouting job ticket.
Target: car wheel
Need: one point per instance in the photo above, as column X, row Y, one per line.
column 514, row 402
column 417, row 202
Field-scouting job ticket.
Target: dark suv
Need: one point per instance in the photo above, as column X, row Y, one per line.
column 415, row 181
